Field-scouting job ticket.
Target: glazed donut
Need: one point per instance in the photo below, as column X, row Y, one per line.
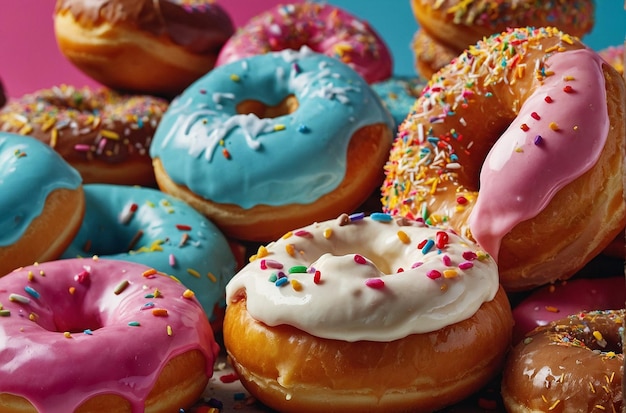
column 42, row 202
column 85, row 337
column 323, row 28
column 273, row 142
column 542, row 123
column 146, row 226
column 398, row 94
column 154, row 47
column 554, row 301
column 356, row 312
column 571, row 365
column 455, row 25
column 103, row 134
column 430, row 54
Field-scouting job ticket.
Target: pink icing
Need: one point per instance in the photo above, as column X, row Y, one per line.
column 557, row 301
column 323, row 28
column 521, row 173
column 56, row 373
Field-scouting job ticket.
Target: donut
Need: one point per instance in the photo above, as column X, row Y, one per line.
column 356, row 312
column 456, row 25
column 42, row 202
column 156, row 47
column 430, row 54
column 614, row 55
column 398, row 94
column 553, row 302
column 273, row 142
column 538, row 126
column 103, row 134
column 323, row 28
column 570, row 365
column 146, row 226
column 83, row 336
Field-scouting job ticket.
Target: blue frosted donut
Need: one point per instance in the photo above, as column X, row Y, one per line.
column 271, row 130
column 41, row 202
column 146, row 226
column 398, row 95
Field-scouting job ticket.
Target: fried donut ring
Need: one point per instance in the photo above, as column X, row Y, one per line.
column 85, row 337
column 104, row 135
column 455, row 24
column 430, row 55
column 324, row 329
column 546, row 137
column 41, row 200
column 323, row 28
column 614, row 55
column 575, row 364
column 156, row 47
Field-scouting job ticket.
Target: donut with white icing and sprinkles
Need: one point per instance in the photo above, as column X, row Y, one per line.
column 518, row 144
column 105, row 135
column 273, row 142
column 367, row 311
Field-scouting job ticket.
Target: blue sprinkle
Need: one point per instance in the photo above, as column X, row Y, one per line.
column 357, row 216
column 32, row 292
column 428, row 246
column 381, row 217
column 281, row 281
column 453, row 157
column 88, row 332
column 134, row 324
column 303, row 128
column 147, row 305
column 239, row 396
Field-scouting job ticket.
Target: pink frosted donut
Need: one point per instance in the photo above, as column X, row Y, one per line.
column 98, row 335
column 553, row 302
column 324, row 28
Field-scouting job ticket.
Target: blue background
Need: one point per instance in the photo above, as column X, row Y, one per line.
column 394, row 21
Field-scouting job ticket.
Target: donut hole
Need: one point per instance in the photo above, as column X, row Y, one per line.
column 80, row 323
column 262, row 110
column 602, row 340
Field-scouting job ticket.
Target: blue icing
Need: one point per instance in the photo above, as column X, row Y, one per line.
column 109, row 228
column 398, row 95
column 29, row 172
column 228, row 157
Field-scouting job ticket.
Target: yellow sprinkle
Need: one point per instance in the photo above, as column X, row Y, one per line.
column 295, row 284
column 554, row 126
column 188, row 293
column 597, row 406
column 262, row 252
column 169, row 330
column 481, row 255
column 328, row 232
column 157, row 293
column 287, row 235
column 159, row 312
column 31, row 276
column 234, row 78
column 520, row 71
column 341, row 49
column 444, row 287
column 212, row 277
column 72, row 290
column 553, row 406
column 598, row 335
column 593, row 389
column 67, row 334
column 450, row 273
column 193, row 272
column 45, row 127
column 279, row 127
column 568, row 78
column 25, row 130
column 109, row 134
column 149, row 272
column 404, row 237
column 54, row 137
column 33, row 317
column 175, row 279
column 567, row 39
column 252, row 258
column 519, row 150
column 291, row 250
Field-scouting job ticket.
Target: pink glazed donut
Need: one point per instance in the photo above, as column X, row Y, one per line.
column 323, row 28
column 99, row 335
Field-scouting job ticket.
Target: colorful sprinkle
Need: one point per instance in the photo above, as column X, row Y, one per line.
column 121, row 287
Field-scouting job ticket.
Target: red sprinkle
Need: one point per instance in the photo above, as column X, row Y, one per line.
column 317, row 277
column 535, row 116
column 229, row 378
column 375, row 283
column 421, row 244
column 461, row 200
column 359, row 259
column 524, row 127
column 433, row 274
column 183, row 227
column 568, row 89
column 441, row 239
column 548, row 99
column 470, row 255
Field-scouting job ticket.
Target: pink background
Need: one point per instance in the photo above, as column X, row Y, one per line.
column 30, row 59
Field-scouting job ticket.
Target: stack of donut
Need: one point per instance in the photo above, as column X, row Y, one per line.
column 447, row 27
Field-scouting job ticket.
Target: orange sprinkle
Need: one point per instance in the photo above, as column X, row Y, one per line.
column 328, row 232
column 149, row 272
column 159, row 312
column 554, row 126
column 552, row 309
column 72, row 290
column 404, row 237
column 291, row 249
column 295, row 284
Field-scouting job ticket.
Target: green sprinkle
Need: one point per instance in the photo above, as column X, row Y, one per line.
column 298, row 269
column 134, row 324
column 5, row 313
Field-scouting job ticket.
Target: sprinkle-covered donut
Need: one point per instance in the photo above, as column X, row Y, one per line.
column 94, row 335
column 367, row 311
column 575, row 364
column 41, row 202
column 157, row 47
column 517, row 144
column 104, row 135
column 322, row 27
column 398, row 94
column 149, row 227
column 273, row 142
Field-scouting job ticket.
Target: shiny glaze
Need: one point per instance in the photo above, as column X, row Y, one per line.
column 398, row 94
column 85, row 124
column 200, row 26
column 437, row 160
column 574, row 364
column 322, row 27
column 205, row 144
column 29, row 172
column 163, row 232
column 376, row 278
column 71, row 334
